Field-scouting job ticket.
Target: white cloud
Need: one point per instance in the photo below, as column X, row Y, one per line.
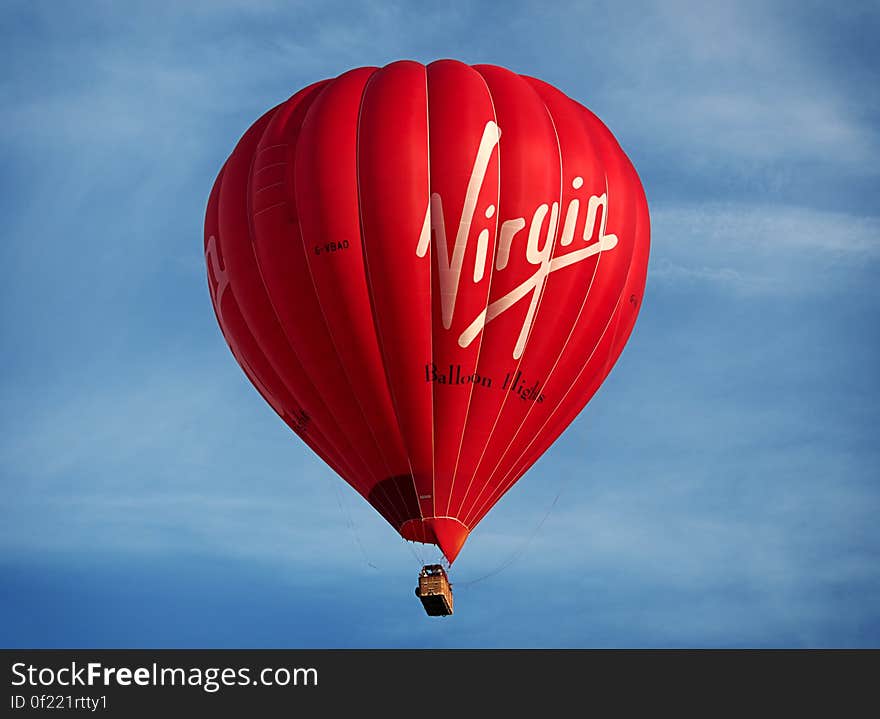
column 177, row 455
column 741, row 85
column 761, row 249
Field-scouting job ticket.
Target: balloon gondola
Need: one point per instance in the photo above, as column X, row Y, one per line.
column 427, row 272
column 435, row 591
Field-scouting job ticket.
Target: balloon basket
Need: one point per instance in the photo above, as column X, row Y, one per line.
column 435, row 591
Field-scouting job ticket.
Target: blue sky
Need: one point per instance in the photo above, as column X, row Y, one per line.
column 723, row 487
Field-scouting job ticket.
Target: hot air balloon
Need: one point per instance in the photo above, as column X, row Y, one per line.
column 427, row 272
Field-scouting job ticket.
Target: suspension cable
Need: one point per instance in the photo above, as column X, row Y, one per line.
column 350, row 522
column 518, row 552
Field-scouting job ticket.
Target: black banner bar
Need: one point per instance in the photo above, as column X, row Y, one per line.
column 135, row 683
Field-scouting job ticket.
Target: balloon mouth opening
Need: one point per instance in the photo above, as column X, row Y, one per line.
column 447, row 533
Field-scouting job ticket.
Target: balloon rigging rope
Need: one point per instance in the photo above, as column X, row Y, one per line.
column 518, row 552
column 412, row 548
column 346, row 514
column 343, row 508
column 421, row 559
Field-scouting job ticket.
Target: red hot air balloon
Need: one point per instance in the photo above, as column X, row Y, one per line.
column 427, row 271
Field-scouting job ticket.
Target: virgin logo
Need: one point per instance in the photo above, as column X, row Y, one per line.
column 538, row 253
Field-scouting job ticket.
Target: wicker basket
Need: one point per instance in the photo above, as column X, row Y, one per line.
column 435, row 591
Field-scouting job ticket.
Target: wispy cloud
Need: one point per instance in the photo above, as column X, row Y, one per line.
column 760, row 249
column 173, row 458
column 741, row 83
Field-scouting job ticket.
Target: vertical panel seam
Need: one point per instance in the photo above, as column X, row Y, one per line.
column 537, row 307
column 488, row 297
column 565, row 344
column 373, row 307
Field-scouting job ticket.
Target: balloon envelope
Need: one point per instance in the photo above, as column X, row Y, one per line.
column 427, row 271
